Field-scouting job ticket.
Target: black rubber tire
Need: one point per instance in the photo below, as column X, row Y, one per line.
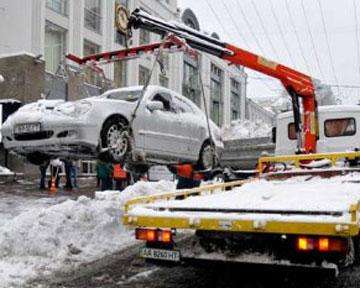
column 109, row 155
column 201, row 163
column 37, row 158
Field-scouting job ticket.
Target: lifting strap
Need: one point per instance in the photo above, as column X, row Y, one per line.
column 212, row 143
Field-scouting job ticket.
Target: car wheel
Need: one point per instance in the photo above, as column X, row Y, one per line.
column 115, row 140
column 37, row 158
column 207, row 159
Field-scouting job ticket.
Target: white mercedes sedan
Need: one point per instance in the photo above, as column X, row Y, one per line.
column 167, row 128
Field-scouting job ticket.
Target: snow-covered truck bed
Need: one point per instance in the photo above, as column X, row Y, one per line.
column 304, row 221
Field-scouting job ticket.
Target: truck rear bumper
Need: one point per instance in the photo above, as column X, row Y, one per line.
column 330, row 270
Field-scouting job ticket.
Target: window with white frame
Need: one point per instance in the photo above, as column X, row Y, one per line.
column 163, row 81
column 191, row 85
column 59, row 6
column 216, row 87
column 91, row 76
column 92, row 14
column 55, row 46
column 144, row 74
column 144, row 37
column 120, row 73
column 235, row 99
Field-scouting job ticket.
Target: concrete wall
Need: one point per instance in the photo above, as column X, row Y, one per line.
column 24, row 78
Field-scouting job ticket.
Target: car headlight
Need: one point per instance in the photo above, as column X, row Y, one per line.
column 74, row 109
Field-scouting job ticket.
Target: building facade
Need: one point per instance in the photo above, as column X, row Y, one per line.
column 53, row 28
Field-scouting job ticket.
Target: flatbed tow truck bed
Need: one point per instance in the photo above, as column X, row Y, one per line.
column 264, row 222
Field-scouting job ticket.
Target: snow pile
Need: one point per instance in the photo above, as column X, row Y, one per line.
column 244, row 129
column 60, row 237
column 5, row 171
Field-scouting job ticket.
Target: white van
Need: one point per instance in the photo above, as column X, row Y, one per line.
column 337, row 130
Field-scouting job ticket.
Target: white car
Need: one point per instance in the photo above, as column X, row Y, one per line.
column 167, row 128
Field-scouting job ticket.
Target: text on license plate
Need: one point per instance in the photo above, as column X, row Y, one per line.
column 160, row 254
column 27, row 128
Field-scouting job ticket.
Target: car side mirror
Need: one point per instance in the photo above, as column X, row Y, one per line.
column 154, row 105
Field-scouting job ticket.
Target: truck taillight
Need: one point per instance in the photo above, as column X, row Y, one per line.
column 153, row 235
column 321, row 244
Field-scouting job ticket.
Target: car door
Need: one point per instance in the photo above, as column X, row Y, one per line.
column 161, row 133
column 191, row 125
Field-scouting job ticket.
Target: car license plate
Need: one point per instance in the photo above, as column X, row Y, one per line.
column 160, row 254
column 27, row 128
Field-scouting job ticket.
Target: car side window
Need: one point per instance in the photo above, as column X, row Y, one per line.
column 166, row 100
column 182, row 106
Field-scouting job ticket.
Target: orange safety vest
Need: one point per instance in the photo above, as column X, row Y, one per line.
column 187, row 171
column 119, row 173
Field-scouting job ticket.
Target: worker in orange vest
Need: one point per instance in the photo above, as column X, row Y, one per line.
column 187, row 176
column 121, row 177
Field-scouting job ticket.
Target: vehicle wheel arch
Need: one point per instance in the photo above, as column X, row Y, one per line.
column 115, row 116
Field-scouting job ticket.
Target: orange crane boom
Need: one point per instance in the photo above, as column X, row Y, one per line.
column 297, row 84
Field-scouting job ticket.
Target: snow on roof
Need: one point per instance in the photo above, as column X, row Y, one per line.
column 20, row 53
column 5, row 101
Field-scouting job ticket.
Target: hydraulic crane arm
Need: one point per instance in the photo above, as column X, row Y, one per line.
column 297, row 84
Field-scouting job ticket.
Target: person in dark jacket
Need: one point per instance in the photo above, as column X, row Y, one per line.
column 104, row 172
column 43, row 168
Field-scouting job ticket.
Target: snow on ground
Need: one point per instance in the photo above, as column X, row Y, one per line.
column 5, row 171
column 48, row 235
column 295, row 194
column 243, row 129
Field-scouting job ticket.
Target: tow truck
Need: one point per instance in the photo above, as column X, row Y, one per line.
column 301, row 216
column 295, row 214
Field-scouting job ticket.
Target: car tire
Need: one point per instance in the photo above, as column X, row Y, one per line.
column 37, row 158
column 115, row 141
column 207, row 157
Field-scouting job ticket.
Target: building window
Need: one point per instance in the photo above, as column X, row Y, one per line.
column 91, row 76
column 191, row 87
column 92, row 12
column 235, row 99
column 144, row 74
column 119, row 37
column 55, row 46
column 144, row 37
column 163, row 81
column 59, row 6
column 216, row 94
column 120, row 73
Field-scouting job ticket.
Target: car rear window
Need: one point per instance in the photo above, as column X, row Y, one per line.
column 340, row 127
column 130, row 96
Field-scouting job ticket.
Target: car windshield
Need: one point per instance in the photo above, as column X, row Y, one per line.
column 129, row 95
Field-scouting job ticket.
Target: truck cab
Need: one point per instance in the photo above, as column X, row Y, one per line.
column 337, row 130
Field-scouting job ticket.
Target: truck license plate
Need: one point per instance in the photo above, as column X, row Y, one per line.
column 160, row 254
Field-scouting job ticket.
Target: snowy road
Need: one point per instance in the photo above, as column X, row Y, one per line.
column 126, row 270
column 72, row 241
